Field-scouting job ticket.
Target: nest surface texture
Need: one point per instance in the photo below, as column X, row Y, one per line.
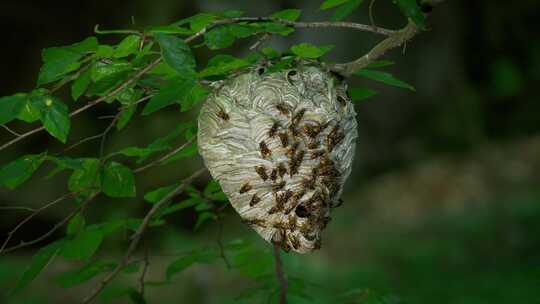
column 281, row 146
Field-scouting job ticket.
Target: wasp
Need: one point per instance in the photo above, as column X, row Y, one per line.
column 278, row 186
column 292, row 223
column 292, row 149
column 313, row 145
column 273, row 130
column 298, row 116
column 221, row 114
column 334, row 138
column 283, row 109
column 295, row 199
column 284, row 139
column 261, row 170
column 265, row 152
column 308, row 183
column 312, row 130
column 295, row 162
column 273, row 174
column 245, row 188
column 255, row 222
column 301, row 211
column 254, row 200
column 281, row 169
column 317, row 154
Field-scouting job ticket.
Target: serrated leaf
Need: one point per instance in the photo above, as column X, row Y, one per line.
column 176, row 53
column 86, row 178
column 40, row 260
column 75, row 225
column 104, row 51
column 346, row 9
column 55, row 118
column 384, row 77
column 127, row 46
column 196, row 94
column 222, row 64
column 106, row 76
column 29, row 113
column 359, row 94
column 63, row 163
column 288, row 14
column 83, row 245
column 179, row 90
column 331, row 3
column 75, row 277
column 11, row 107
column 186, row 152
column 18, row 171
column 275, row 28
column 118, row 180
column 219, row 37
column 58, row 61
column 308, row 50
column 80, row 85
column 411, row 10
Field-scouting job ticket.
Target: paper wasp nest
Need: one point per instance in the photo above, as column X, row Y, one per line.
column 281, row 146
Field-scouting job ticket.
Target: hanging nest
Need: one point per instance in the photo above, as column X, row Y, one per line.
column 281, row 146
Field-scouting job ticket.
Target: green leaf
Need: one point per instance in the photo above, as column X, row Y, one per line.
column 346, row 9
column 275, row 28
column 75, row 277
column 213, row 191
column 63, row 163
column 106, row 76
column 11, row 107
column 83, row 245
column 307, row 50
column 384, row 77
column 222, row 64
column 104, row 51
column 411, row 10
column 359, row 94
column 270, row 53
column 40, row 260
column 196, row 94
column 118, row 180
column 179, row 90
column 127, row 46
column 170, row 29
column 80, row 85
column 190, row 202
column 58, row 61
column 219, row 37
column 75, row 225
column 156, row 195
column 86, row 178
column 379, row 64
column 55, row 118
column 331, row 3
column 288, row 14
column 126, row 116
column 184, row 153
column 203, row 218
column 176, row 53
column 30, row 112
column 184, row 262
column 17, row 172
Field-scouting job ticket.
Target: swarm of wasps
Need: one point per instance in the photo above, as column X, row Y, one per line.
column 282, row 151
column 301, row 141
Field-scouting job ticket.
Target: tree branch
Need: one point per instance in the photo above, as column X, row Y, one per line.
column 397, row 39
column 283, row 285
column 137, row 236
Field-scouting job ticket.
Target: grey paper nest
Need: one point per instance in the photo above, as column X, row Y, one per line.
column 281, row 146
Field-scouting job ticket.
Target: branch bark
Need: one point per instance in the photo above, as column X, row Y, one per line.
column 283, row 285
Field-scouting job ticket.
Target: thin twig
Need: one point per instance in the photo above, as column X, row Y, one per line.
column 22, row 208
column 371, row 19
column 10, row 131
column 82, row 141
column 137, row 236
column 220, row 244
column 165, row 157
column 280, row 275
column 146, row 263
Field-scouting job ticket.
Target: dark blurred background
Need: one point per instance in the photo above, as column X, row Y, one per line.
column 443, row 205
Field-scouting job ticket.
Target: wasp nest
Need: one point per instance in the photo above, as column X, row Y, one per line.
column 281, row 146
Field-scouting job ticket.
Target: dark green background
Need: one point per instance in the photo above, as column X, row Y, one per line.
column 443, row 205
